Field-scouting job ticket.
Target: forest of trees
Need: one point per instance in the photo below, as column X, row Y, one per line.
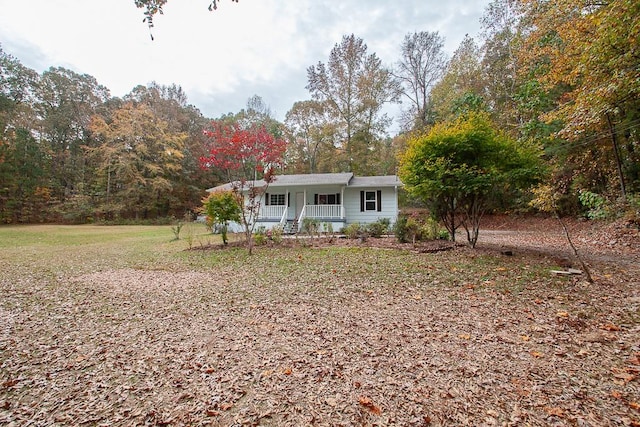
column 563, row 75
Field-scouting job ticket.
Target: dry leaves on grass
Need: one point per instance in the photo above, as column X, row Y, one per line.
column 323, row 336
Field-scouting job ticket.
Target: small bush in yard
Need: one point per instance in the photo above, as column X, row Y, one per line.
column 432, row 230
column 260, row 236
column 412, row 228
column 353, row 231
column 176, row 228
column 276, row 234
column 407, row 229
column 400, row 228
column 327, row 228
column 378, row 228
column 310, row 226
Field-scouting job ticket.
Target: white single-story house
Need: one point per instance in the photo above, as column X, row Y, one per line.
column 338, row 199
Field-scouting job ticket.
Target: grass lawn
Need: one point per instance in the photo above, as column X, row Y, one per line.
column 122, row 325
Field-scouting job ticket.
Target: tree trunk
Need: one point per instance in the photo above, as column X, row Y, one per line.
column 585, row 268
column 616, row 152
column 471, row 224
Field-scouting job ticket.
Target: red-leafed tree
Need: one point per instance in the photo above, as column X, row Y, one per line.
column 248, row 158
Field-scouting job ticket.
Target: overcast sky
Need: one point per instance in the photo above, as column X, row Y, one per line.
column 220, row 58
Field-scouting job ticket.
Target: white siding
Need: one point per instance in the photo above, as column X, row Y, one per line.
column 352, row 205
column 350, row 199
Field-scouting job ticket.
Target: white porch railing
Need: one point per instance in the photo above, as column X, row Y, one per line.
column 324, row 211
column 273, row 212
column 303, row 213
column 283, row 218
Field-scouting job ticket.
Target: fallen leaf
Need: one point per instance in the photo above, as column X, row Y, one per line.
column 563, row 314
column 287, row 371
column 525, row 337
column 368, row 403
column 365, row 401
column 634, row 405
column 464, row 336
column 536, row 354
column 331, row 401
column 625, row 376
column 9, row 383
column 610, row 327
column 558, row 412
column 417, row 297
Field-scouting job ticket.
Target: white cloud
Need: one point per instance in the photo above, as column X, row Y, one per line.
column 221, row 58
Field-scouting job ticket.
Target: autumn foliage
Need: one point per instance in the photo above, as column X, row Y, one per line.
column 248, row 158
column 242, row 153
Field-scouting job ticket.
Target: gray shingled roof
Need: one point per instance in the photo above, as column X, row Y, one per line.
column 312, row 179
column 325, row 179
column 375, row 181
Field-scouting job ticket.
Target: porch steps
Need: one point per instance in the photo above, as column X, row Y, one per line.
column 291, row 226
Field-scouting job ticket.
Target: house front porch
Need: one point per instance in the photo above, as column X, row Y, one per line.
column 291, row 219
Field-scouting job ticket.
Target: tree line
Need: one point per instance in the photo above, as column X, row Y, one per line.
column 562, row 76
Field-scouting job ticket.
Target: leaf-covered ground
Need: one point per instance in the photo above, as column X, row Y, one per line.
column 357, row 334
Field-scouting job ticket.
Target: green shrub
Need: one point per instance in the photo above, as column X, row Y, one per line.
column 412, row 228
column 400, row 228
column 378, row 228
column 327, row 228
column 353, row 231
column 596, row 205
column 277, row 234
column 430, row 230
column 260, row 236
column 176, row 228
column 310, row 226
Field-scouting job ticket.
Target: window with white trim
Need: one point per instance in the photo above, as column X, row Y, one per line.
column 276, row 200
column 328, row 199
column 370, row 201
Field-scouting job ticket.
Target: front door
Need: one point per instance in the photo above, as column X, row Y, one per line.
column 299, row 204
